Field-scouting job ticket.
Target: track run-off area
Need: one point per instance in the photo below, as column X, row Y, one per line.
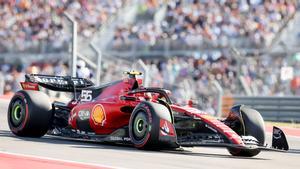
column 49, row 152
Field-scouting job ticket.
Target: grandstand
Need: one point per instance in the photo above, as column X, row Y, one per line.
column 187, row 45
column 38, row 26
column 196, row 24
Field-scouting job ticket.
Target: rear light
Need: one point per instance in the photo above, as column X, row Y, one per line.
column 30, row 86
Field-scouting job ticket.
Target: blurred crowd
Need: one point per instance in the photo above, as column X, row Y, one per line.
column 197, row 77
column 190, row 77
column 262, row 74
column 190, row 22
column 14, row 73
column 39, row 24
column 28, row 24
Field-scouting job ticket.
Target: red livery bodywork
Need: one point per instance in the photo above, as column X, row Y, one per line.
column 125, row 111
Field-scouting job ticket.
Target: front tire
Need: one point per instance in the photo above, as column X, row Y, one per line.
column 253, row 126
column 140, row 127
column 29, row 114
column 144, row 126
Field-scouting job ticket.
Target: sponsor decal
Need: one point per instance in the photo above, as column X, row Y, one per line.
column 115, row 138
column 166, row 128
column 277, row 133
column 98, row 115
column 84, row 114
column 50, row 80
column 126, row 139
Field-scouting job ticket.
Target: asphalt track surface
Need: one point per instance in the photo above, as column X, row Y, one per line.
column 128, row 157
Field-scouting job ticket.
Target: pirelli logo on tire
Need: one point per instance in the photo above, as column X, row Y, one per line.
column 98, row 115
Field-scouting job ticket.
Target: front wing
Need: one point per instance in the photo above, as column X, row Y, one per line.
column 279, row 143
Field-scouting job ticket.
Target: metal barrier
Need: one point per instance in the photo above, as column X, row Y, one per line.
column 76, row 54
column 284, row 109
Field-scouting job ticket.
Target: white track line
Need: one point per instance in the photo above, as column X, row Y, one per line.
column 60, row 160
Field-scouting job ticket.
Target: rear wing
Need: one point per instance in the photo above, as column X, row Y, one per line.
column 58, row 83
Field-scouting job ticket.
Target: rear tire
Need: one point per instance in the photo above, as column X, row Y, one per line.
column 29, row 113
column 254, row 126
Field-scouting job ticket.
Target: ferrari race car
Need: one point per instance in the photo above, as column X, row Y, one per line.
column 126, row 112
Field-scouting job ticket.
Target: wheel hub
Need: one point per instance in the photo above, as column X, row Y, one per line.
column 17, row 113
column 140, row 126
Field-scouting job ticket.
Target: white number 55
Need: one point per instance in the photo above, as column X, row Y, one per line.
column 86, row 95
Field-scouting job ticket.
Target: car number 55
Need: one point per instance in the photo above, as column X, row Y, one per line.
column 86, row 95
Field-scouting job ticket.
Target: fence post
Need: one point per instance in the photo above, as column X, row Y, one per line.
column 220, row 97
column 74, row 44
column 99, row 60
column 146, row 76
column 1, row 83
column 145, row 69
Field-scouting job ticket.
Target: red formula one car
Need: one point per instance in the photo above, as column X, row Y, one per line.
column 126, row 112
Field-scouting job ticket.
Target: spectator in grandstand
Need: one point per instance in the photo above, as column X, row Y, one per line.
column 38, row 24
column 221, row 22
column 189, row 77
column 82, row 70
